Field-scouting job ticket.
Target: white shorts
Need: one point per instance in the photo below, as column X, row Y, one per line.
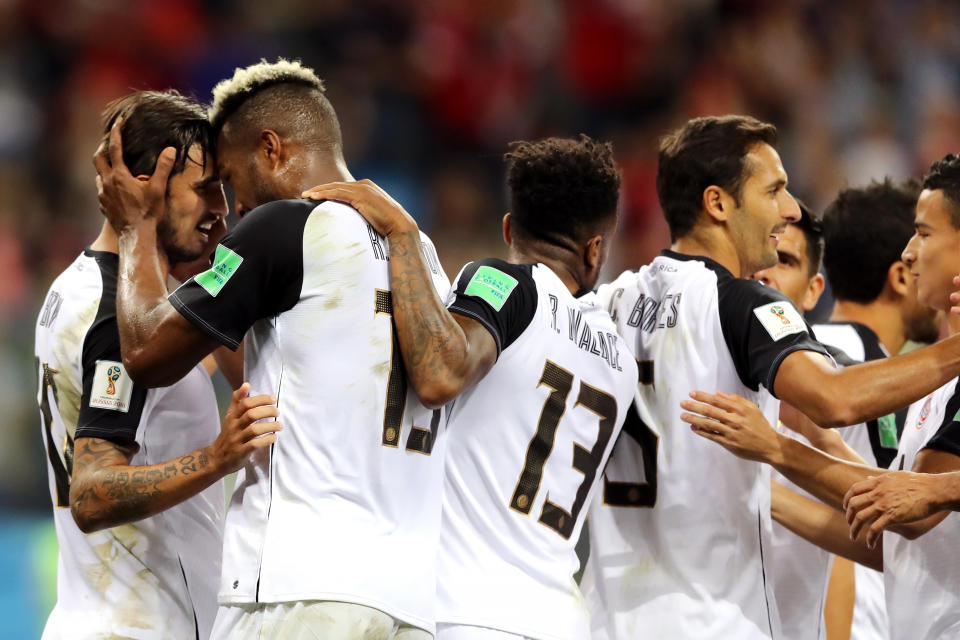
column 311, row 620
column 473, row 632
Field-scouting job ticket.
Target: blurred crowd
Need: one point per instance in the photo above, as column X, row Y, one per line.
column 430, row 92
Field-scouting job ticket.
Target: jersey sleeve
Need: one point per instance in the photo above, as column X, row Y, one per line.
column 257, row 272
column 499, row 295
column 947, row 437
column 111, row 405
column 761, row 327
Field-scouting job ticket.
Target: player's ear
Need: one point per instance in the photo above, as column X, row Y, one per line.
column 898, row 278
column 717, row 203
column 814, row 290
column 270, row 147
column 507, row 231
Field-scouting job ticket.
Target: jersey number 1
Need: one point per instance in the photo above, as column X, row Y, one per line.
column 560, row 382
column 420, row 439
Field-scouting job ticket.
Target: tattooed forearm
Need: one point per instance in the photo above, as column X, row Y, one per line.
column 433, row 345
column 106, row 491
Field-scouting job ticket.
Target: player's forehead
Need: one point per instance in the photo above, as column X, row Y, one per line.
column 763, row 166
column 931, row 211
column 200, row 165
column 793, row 242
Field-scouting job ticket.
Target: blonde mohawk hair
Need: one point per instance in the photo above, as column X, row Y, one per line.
column 229, row 94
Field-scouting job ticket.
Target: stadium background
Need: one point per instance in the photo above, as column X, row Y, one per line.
column 429, row 92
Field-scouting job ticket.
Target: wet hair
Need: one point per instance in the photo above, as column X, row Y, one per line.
column 865, row 231
column 812, row 230
column 154, row 120
column 705, row 152
column 283, row 96
column 561, row 190
column 945, row 175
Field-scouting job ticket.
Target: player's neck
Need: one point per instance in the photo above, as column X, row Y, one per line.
column 322, row 172
column 560, row 266
column 883, row 319
column 108, row 242
column 710, row 245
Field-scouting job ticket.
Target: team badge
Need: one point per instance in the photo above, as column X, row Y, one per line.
column 113, row 374
column 112, row 387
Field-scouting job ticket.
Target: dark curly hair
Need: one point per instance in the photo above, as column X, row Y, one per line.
column 945, row 174
column 865, row 231
column 702, row 153
column 562, row 189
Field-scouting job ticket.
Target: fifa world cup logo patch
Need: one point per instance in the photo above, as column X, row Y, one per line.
column 113, row 374
column 778, row 311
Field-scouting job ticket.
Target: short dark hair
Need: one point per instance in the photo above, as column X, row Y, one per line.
column 155, row 120
column 284, row 96
column 945, row 174
column 865, row 231
column 561, row 188
column 812, row 230
column 704, row 152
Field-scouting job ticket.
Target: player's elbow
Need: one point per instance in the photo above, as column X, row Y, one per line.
column 144, row 372
column 830, row 410
column 436, row 393
column 87, row 520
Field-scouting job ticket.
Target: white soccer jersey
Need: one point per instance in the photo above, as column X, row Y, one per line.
column 345, row 505
column 876, row 442
column 526, row 446
column 922, row 576
column 155, row 578
column 680, row 534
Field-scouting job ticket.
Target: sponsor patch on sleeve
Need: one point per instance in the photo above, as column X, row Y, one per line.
column 492, row 285
column 780, row 319
column 225, row 263
column 112, row 387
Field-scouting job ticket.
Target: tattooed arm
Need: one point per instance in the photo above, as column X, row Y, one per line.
column 107, row 491
column 444, row 353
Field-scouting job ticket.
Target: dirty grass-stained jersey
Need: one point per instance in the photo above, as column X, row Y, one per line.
column 526, row 447
column 155, row 578
column 345, row 505
column 680, row 529
column 922, row 576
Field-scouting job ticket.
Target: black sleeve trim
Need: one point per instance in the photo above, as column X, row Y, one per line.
column 102, row 342
column 479, row 318
column 756, row 355
column 517, row 310
column 266, row 281
column 202, row 324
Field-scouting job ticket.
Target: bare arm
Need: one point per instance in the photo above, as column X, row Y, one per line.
column 821, row 525
column 159, row 345
column 840, row 600
column 444, row 353
column 839, row 397
column 827, row 440
column 107, row 491
column 230, row 364
column 739, row 426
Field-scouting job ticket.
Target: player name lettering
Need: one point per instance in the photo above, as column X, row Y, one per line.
column 599, row 343
column 650, row 314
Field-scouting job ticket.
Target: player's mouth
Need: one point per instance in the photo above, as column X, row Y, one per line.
column 206, row 227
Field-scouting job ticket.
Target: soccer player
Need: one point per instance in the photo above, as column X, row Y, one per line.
column 919, row 558
column 140, row 556
column 694, row 323
column 331, row 531
column 539, row 383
